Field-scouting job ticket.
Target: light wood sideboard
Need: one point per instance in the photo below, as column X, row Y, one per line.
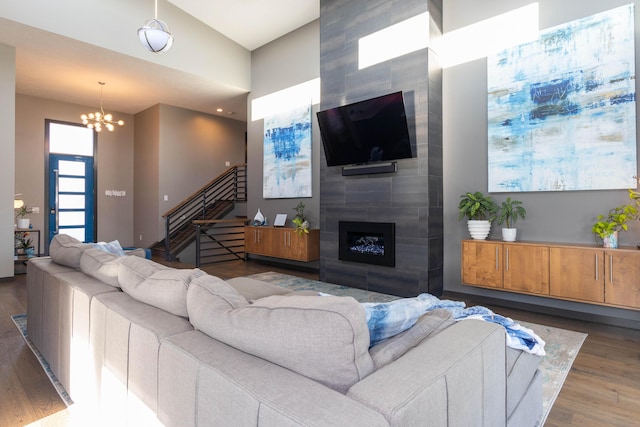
column 282, row 242
column 582, row 273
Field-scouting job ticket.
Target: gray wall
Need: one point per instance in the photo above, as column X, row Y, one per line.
column 147, row 176
column 114, row 163
column 554, row 217
column 410, row 198
column 178, row 151
column 285, row 62
column 7, row 157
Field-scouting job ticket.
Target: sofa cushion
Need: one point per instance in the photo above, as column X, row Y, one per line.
column 253, row 289
column 155, row 284
column 322, row 338
column 427, row 325
column 101, row 265
column 67, row 250
column 521, row 368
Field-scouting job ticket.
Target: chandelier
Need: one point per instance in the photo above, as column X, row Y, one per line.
column 99, row 119
column 155, row 35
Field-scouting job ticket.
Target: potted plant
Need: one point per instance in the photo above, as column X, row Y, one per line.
column 616, row 220
column 21, row 213
column 300, row 220
column 510, row 211
column 23, row 243
column 480, row 211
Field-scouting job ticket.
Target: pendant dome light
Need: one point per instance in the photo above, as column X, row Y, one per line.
column 155, row 35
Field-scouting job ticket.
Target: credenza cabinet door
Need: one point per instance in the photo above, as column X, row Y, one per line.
column 526, row 268
column 622, row 278
column 258, row 240
column 482, row 264
column 577, row 273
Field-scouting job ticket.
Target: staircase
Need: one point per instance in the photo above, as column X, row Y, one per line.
column 212, row 202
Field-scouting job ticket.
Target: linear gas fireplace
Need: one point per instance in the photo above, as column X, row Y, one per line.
column 368, row 242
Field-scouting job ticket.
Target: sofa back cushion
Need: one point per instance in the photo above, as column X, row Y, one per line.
column 101, row 265
column 155, row 284
column 323, row 338
column 67, row 250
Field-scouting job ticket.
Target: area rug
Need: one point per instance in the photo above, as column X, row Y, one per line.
column 562, row 346
column 20, row 321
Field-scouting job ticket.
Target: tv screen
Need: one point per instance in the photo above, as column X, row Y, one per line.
column 373, row 130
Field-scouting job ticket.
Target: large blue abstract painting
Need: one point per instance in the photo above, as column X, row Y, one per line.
column 287, row 154
column 561, row 109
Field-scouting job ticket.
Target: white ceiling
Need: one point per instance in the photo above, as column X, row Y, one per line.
column 52, row 66
column 252, row 23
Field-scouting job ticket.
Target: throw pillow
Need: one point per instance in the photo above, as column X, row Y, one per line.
column 393, row 348
column 67, row 250
column 110, row 247
column 325, row 339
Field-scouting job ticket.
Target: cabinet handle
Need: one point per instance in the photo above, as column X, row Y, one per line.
column 258, row 236
column 507, row 262
column 497, row 263
column 255, row 236
column 284, row 238
column 611, row 268
column 596, row 266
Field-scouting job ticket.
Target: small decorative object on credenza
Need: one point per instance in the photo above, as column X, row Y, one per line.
column 607, row 227
column 280, row 220
column 300, row 220
column 510, row 211
column 259, row 219
column 480, row 212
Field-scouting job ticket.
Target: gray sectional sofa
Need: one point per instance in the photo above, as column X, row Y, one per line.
column 144, row 344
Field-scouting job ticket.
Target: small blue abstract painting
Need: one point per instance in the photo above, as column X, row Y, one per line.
column 561, row 109
column 287, row 154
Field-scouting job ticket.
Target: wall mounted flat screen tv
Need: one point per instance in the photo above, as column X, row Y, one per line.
column 374, row 130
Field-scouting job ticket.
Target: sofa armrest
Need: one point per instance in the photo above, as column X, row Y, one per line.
column 202, row 381
column 455, row 378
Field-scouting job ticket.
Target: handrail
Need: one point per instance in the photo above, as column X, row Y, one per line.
column 212, row 200
column 204, row 188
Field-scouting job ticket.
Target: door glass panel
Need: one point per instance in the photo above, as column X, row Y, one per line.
column 71, row 185
column 65, row 139
column 70, row 218
column 70, row 201
column 78, row 233
column 66, row 167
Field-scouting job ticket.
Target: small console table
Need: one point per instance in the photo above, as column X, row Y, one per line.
column 20, row 259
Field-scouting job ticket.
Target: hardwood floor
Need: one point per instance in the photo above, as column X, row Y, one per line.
column 602, row 389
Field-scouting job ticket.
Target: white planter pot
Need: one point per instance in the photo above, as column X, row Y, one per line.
column 509, row 234
column 23, row 223
column 479, row 229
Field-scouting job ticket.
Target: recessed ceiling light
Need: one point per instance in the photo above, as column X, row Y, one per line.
column 219, row 110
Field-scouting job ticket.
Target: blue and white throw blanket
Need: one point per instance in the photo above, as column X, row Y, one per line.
column 390, row 318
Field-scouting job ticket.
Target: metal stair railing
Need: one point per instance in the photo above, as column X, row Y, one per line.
column 210, row 202
column 219, row 240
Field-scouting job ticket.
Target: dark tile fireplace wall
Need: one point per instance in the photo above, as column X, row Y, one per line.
column 412, row 197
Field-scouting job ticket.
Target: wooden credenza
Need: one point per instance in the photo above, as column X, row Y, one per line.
column 582, row 273
column 280, row 242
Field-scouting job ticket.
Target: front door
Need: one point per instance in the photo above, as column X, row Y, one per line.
column 71, row 181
